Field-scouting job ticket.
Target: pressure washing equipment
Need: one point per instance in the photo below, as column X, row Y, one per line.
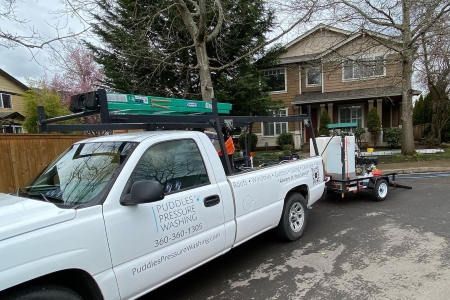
column 338, row 154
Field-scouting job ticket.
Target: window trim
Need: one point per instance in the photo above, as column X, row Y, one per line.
column 1, row 101
column 307, row 77
column 350, row 105
column 285, row 81
column 275, row 135
column 364, row 78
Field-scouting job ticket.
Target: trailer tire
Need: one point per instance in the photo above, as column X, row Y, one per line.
column 47, row 292
column 380, row 190
column 294, row 217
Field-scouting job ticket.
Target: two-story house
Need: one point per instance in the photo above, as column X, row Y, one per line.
column 11, row 103
column 342, row 72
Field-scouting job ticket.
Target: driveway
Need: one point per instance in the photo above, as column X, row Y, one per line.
column 354, row 248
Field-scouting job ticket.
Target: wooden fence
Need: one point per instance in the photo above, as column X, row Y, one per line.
column 418, row 131
column 23, row 156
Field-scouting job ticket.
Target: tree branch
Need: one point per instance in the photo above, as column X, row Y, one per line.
column 201, row 36
column 256, row 49
column 368, row 17
column 216, row 30
column 187, row 18
column 197, row 8
column 423, row 27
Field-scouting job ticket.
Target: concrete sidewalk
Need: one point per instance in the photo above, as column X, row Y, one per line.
column 416, row 167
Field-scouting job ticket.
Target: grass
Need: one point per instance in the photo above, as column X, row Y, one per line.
column 272, row 156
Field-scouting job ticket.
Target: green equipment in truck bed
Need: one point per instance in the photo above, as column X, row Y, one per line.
column 150, row 105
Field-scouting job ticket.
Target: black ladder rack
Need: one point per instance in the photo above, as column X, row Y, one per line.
column 154, row 122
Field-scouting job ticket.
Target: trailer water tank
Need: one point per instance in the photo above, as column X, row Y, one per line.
column 332, row 155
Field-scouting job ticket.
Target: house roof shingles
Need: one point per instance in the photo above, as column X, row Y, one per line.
column 10, row 115
column 319, row 97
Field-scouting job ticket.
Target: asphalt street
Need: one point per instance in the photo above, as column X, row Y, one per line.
column 354, row 248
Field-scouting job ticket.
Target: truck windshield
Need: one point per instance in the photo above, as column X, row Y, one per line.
column 79, row 174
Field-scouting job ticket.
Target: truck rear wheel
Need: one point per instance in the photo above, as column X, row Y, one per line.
column 49, row 292
column 294, row 217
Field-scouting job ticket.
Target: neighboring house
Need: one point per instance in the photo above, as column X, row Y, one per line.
column 341, row 72
column 11, row 104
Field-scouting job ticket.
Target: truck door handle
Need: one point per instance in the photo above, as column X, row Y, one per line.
column 211, row 200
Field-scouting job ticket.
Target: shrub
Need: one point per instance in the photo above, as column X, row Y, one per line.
column 394, row 137
column 324, row 121
column 431, row 141
column 242, row 138
column 287, row 149
column 359, row 135
column 286, row 138
column 374, row 125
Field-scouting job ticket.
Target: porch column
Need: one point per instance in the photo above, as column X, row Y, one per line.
column 370, row 105
column 330, row 111
column 322, row 108
column 380, row 109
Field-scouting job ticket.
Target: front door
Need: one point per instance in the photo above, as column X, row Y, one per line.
column 154, row 242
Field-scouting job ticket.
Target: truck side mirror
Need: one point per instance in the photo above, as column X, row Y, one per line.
column 145, row 191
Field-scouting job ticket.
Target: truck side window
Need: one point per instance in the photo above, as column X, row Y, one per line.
column 177, row 165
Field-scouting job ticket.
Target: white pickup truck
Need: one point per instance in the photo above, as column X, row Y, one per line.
column 114, row 217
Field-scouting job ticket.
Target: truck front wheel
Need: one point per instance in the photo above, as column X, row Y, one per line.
column 49, row 292
column 294, row 217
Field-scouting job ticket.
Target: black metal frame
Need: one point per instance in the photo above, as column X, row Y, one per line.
column 153, row 122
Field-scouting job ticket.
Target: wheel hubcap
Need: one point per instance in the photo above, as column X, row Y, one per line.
column 296, row 217
column 382, row 190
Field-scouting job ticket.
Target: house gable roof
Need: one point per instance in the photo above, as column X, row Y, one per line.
column 349, row 36
column 10, row 77
column 313, row 30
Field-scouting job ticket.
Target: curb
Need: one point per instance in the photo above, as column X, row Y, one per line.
column 418, row 170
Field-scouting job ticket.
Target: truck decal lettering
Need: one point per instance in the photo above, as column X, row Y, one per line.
column 154, row 262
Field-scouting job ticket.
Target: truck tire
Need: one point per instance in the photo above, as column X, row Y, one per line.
column 294, row 217
column 380, row 190
column 48, row 292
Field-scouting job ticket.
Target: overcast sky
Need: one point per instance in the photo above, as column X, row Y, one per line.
column 20, row 62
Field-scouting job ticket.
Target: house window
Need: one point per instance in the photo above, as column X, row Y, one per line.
column 314, row 76
column 350, row 114
column 368, row 67
column 5, row 101
column 275, row 128
column 276, row 79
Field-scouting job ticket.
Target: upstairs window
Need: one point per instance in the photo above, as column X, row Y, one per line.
column 275, row 128
column 5, row 101
column 276, row 79
column 368, row 67
column 314, row 76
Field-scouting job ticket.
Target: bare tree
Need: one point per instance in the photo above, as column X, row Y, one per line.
column 16, row 31
column 408, row 21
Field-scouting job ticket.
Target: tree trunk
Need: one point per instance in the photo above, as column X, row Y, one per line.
column 408, row 147
column 204, row 71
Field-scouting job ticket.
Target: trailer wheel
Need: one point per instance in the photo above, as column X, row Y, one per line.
column 48, row 292
column 380, row 190
column 294, row 217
